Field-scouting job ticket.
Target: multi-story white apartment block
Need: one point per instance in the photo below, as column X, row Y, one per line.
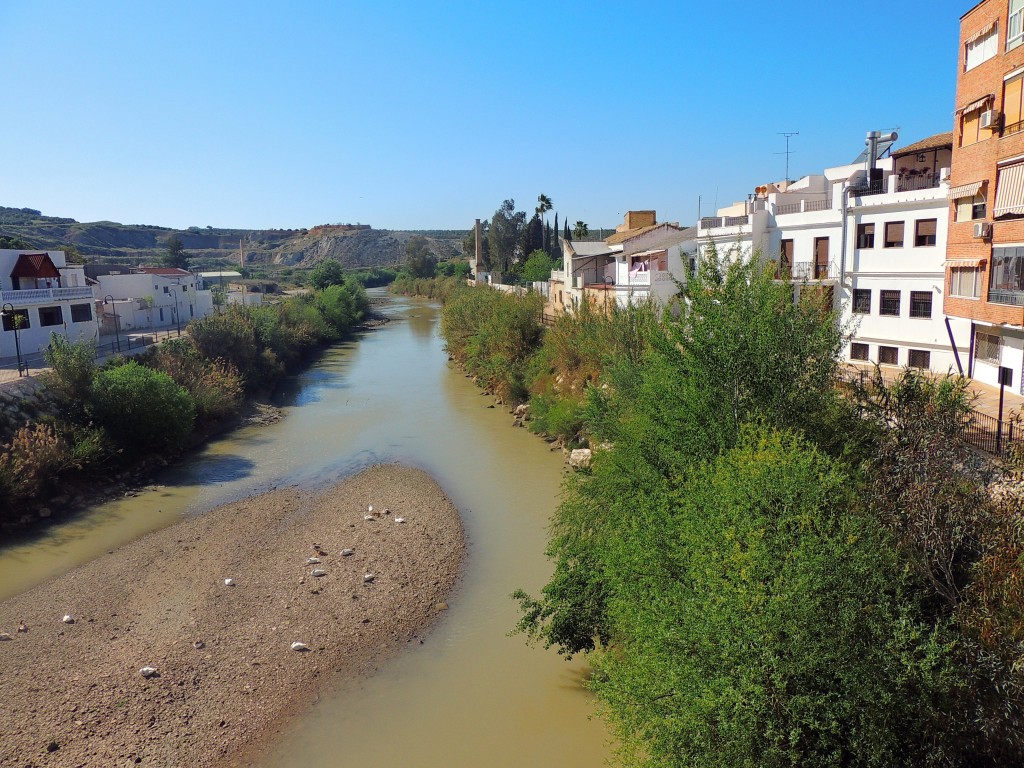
column 148, row 297
column 872, row 235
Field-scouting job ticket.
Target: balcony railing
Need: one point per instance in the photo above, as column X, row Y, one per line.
column 711, row 222
column 808, row 270
column 1013, row 298
column 45, row 295
column 912, row 183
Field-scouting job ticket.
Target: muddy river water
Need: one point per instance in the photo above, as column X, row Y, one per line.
column 470, row 695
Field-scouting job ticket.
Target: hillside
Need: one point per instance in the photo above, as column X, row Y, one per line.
column 352, row 245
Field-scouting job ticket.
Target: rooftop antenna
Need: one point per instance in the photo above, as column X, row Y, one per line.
column 787, row 153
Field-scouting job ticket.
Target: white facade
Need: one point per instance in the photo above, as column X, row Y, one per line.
column 880, row 248
column 151, row 298
column 43, row 303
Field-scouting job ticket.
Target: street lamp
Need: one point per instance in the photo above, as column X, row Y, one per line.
column 117, row 329
column 8, row 311
column 177, row 318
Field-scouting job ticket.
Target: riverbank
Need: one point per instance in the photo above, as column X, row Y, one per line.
column 76, row 689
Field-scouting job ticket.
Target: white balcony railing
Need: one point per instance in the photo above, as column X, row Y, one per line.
column 45, row 295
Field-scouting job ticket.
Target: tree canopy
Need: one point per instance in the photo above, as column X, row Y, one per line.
column 419, row 259
column 176, row 255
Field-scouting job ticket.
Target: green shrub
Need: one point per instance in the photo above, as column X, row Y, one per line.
column 215, row 386
column 230, row 336
column 72, row 367
column 31, row 460
column 142, row 408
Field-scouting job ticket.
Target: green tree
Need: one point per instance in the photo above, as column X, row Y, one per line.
column 580, row 230
column 765, row 620
column 327, row 272
column 176, row 255
column 72, row 367
column 537, row 267
column 504, row 235
column 419, row 259
column 532, row 238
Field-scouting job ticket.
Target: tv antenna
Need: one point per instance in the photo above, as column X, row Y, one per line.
column 787, row 153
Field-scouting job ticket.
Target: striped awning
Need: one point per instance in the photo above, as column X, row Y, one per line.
column 966, row 261
column 965, row 190
column 976, row 104
column 980, row 33
column 1009, row 191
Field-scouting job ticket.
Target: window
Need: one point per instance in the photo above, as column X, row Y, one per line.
column 920, row 303
column 821, row 258
column 965, row 282
column 888, row 356
column 981, row 49
column 1006, row 283
column 889, row 303
column 1012, row 113
column 970, row 208
column 986, row 347
column 924, row 232
column 858, row 351
column 894, row 234
column 1015, row 25
column 1009, row 201
column 18, row 317
column 81, row 313
column 919, row 358
column 50, row 316
column 167, row 289
column 786, row 259
column 862, row 301
column 865, row 235
column 970, row 127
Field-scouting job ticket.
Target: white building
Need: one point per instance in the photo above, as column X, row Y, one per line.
column 42, row 294
column 148, row 298
column 641, row 260
column 873, row 235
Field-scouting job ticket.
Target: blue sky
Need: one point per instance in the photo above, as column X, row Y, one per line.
column 416, row 115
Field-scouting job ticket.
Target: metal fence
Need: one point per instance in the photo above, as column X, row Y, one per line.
column 979, row 430
column 35, row 362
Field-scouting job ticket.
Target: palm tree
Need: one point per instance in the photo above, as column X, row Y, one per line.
column 543, row 206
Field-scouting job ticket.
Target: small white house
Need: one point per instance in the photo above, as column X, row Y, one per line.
column 40, row 294
column 147, row 298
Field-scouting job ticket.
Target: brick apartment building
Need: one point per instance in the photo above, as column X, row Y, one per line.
column 985, row 255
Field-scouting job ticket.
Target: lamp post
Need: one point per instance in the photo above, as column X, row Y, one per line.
column 108, row 299
column 177, row 318
column 8, row 311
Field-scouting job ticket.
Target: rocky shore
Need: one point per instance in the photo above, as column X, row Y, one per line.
column 225, row 679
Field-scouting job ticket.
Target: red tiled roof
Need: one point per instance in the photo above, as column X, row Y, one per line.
column 35, row 265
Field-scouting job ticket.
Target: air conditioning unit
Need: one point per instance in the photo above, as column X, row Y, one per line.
column 982, row 229
column 990, row 119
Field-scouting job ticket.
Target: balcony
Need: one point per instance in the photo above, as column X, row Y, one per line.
column 1012, row 298
column 808, row 270
column 45, row 295
column 803, row 206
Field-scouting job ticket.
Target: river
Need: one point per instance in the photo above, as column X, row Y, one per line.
column 470, row 695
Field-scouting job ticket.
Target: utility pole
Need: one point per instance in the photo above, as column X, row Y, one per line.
column 787, row 153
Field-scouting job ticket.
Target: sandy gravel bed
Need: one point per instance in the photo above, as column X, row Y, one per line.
column 229, row 682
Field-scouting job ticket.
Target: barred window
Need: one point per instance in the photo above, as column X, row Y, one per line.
column 862, row 301
column 888, row 355
column 919, row 358
column 858, row 351
column 987, row 346
column 890, row 303
column 920, row 303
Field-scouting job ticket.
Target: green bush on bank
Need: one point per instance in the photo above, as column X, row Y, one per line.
column 142, row 408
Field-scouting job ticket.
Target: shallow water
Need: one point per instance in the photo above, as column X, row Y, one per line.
column 470, row 695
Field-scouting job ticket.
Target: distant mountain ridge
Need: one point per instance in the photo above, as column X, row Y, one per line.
column 353, row 245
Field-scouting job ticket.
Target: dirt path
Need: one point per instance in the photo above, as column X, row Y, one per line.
column 228, row 680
